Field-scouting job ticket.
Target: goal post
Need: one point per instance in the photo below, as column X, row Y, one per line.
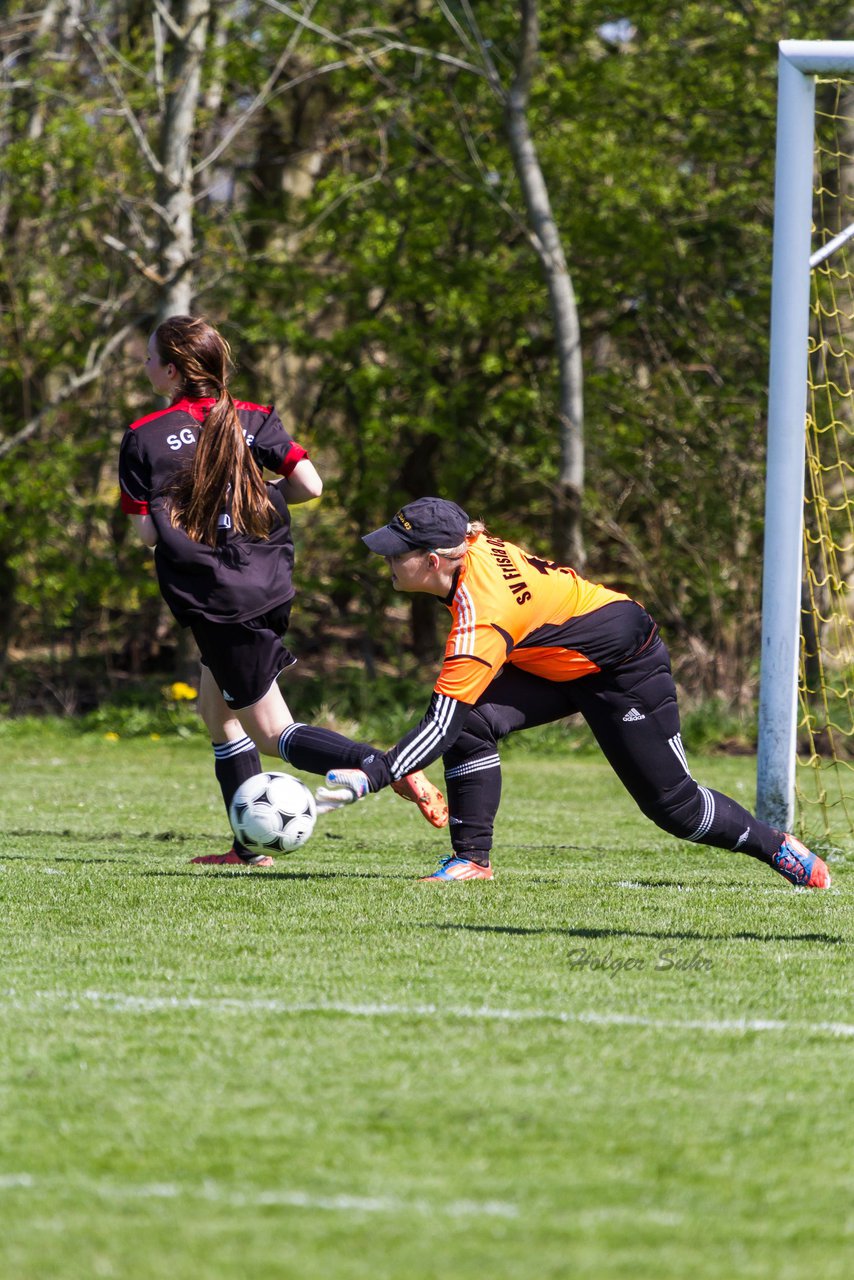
column 800, row 64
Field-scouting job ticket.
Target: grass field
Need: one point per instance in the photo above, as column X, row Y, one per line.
column 625, row 1057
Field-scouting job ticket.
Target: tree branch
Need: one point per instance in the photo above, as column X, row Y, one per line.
column 263, row 96
column 137, row 130
column 483, row 48
column 368, row 59
column 150, row 274
column 163, row 13
column 92, row 369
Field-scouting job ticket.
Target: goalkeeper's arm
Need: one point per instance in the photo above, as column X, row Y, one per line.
column 432, row 736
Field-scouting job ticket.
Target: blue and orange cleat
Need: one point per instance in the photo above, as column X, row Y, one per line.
column 456, row 868
column 418, row 788
column 800, row 867
column 235, row 859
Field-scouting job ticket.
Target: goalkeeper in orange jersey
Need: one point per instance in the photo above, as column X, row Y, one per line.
column 532, row 642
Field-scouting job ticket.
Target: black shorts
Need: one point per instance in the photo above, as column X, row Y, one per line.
column 245, row 658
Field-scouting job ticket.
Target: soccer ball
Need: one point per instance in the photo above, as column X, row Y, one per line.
column 272, row 812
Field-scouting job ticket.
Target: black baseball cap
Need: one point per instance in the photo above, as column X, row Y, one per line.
column 426, row 522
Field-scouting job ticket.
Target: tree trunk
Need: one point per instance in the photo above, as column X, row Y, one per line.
column 568, row 542
column 189, row 31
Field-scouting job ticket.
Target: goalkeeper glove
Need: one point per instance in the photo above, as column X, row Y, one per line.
column 350, row 785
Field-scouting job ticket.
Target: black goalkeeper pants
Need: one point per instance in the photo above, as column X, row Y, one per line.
column 633, row 714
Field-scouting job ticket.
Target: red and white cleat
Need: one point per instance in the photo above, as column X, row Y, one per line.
column 235, row 859
column 418, row 788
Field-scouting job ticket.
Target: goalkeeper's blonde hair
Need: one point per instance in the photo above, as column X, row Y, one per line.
column 456, row 555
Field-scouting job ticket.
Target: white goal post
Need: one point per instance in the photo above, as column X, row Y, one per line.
column 800, row 61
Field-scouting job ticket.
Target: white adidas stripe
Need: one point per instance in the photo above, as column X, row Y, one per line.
column 285, row 737
column 226, row 750
column 474, row 766
column 708, row 815
column 420, row 747
column 467, row 621
column 678, row 750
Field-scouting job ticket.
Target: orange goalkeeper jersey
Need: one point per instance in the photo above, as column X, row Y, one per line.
column 512, row 607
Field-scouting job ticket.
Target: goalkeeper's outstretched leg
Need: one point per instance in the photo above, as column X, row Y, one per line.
column 634, row 715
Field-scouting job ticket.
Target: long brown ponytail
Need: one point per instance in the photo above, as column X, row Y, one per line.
column 223, row 474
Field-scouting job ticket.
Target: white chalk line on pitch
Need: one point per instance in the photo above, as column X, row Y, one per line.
column 283, row 1198
column 290, row 1199
column 119, row 1002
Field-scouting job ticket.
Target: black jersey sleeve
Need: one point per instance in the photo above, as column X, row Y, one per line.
column 272, row 447
column 134, row 476
column 432, row 736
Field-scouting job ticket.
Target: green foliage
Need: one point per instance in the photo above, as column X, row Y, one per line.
column 363, row 243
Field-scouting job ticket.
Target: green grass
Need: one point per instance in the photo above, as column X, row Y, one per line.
column 625, row 1057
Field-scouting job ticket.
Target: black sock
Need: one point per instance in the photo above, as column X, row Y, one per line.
column 731, row 826
column 319, row 750
column 234, row 762
column 480, row 856
column 473, row 787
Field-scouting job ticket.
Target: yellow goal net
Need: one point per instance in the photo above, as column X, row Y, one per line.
column 825, row 773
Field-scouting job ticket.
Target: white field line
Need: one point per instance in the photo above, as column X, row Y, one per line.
column 118, row 1002
column 35, row 868
column 282, row 1198
column 214, row 1193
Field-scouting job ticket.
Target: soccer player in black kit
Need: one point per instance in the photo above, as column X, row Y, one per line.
column 191, row 478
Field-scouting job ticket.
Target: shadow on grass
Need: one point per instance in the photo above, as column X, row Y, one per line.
column 266, row 874
column 160, row 837
column 128, row 839
column 686, row 935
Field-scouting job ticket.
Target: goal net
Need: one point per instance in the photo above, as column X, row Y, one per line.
column 825, row 776
column 806, row 695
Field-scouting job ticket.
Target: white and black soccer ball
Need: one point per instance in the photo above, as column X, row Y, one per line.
column 272, row 813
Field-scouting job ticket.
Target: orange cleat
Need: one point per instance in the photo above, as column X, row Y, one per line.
column 454, row 868
column 235, row 859
column 802, row 868
column 418, row 788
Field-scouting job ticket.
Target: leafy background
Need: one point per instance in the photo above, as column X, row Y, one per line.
column 361, row 239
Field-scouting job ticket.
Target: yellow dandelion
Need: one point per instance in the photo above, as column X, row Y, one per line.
column 111, row 737
column 181, row 692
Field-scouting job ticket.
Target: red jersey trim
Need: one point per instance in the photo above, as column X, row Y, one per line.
column 149, row 417
column 295, row 454
column 248, row 404
column 131, row 507
column 197, row 409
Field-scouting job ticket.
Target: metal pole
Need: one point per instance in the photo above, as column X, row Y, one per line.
column 787, row 403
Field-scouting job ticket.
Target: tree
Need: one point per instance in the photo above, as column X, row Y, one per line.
column 546, row 241
column 188, row 28
column 347, row 206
